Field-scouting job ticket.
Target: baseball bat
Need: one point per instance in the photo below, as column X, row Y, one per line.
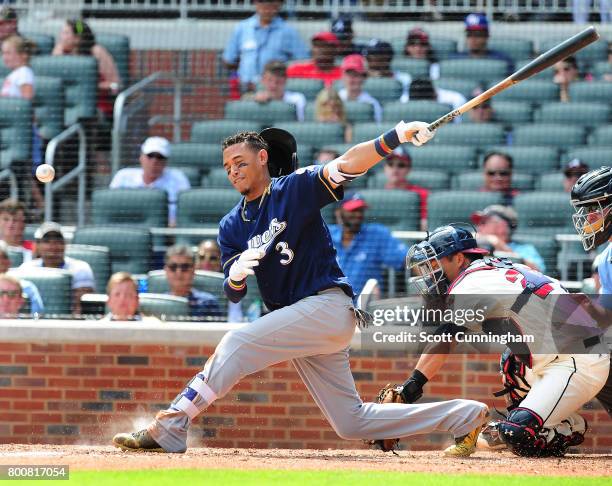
column 550, row 57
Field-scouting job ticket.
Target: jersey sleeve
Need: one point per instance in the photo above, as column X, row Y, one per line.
column 311, row 189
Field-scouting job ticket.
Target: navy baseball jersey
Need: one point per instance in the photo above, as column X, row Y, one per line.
column 286, row 222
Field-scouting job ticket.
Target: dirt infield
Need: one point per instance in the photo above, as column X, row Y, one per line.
column 101, row 457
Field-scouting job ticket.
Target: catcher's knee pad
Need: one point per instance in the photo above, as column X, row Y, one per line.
column 520, row 432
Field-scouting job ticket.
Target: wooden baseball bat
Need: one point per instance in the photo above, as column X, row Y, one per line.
column 550, row 57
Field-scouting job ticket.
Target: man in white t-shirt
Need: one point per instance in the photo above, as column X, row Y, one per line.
column 354, row 74
column 273, row 82
column 154, row 174
column 50, row 245
column 12, row 225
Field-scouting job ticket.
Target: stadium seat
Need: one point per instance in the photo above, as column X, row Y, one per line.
column 201, row 156
column 54, row 285
column 165, row 307
column 448, row 158
column 119, row 47
column 574, row 113
column 457, row 206
column 464, row 86
column 547, row 248
column 211, row 282
column 414, row 110
column 586, row 57
column 80, row 77
column 593, row 91
column 417, row 68
column 434, row 180
column 471, row 134
column 15, row 257
column 531, row 90
column 357, row 112
column 310, row 88
column 509, row 112
column 215, row 131
column 516, row 48
column 562, row 136
column 338, row 147
column 470, row 181
column 48, row 106
column 602, row 136
column 130, row 248
column 98, row 258
column 141, row 208
column 602, row 68
column 443, row 48
column 266, row 114
column 544, row 213
column 552, row 182
column 44, row 43
column 314, row 133
column 396, row 209
column 383, row 89
column 216, row 179
column 15, row 131
column 480, row 70
column 528, row 159
column 366, row 131
column 593, row 156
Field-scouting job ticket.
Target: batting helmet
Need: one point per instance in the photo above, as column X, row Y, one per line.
column 282, row 151
column 592, row 199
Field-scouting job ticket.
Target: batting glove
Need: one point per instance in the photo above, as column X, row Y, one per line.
column 415, row 132
column 243, row 267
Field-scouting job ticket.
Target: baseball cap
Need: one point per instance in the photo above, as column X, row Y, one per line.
column 506, row 213
column 354, row 62
column 575, row 167
column 342, row 26
column 7, row 13
column 46, row 228
column 328, row 37
column 156, row 145
column 417, row 36
column 354, row 203
column 378, row 47
column 477, row 22
column 400, row 155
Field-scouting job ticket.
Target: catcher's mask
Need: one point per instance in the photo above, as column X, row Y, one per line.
column 423, row 259
column 282, row 151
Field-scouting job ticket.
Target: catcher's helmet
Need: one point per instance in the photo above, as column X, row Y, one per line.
column 592, row 199
column 423, row 258
column 282, row 151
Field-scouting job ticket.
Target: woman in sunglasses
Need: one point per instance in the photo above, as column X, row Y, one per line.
column 565, row 73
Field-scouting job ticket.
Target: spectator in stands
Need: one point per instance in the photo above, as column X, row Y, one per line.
column 329, row 108
column 274, row 80
column 324, row 46
column 342, row 27
column 477, row 39
column 11, row 298
column 573, row 170
column 179, row 265
column 418, row 47
column 364, row 249
column 495, row 226
column 28, row 288
column 482, row 113
column 354, row 74
column 12, row 225
column 497, row 174
column 423, row 89
column 379, row 54
column 325, row 155
column 262, row 38
column 19, row 83
column 50, row 246
column 123, row 299
column 154, row 174
column 397, row 167
column 8, row 22
column 565, row 73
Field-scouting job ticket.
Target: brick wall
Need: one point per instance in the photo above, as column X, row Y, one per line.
column 86, row 392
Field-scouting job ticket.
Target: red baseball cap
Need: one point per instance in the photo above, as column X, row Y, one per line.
column 354, row 203
column 328, row 37
column 418, row 35
column 354, row 62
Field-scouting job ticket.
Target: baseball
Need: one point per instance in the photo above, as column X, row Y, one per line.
column 45, row 173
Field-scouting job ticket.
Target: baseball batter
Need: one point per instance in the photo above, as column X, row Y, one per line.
column 545, row 390
column 276, row 232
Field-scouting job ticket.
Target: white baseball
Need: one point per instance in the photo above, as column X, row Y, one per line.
column 45, row 173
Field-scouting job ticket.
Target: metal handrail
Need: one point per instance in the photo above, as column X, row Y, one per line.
column 10, row 175
column 79, row 171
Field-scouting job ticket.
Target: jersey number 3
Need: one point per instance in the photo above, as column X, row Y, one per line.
column 284, row 249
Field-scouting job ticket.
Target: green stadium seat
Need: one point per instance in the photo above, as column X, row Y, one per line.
column 481, row 70
column 310, row 88
column 305, row 154
column 574, row 113
column 601, row 136
column 547, row 248
column 309, row 111
column 49, row 106
column 474, row 180
column 528, row 159
column 552, row 182
column 448, row 158
column 417, row 68
column 192, row 174
column 54, row 286
column 4, row 71
column 203, row 208
column 140, row 208
column 165, row 307
column 200, row 156
column 443, row 48
column 215, row 131
column 593, row 91
column 44, row 43
column 434, row 180
column 130, row 248
column 80, row 77
column 314, row 133
column 426, row 110
column 516, row 48
column 457, row 206
column 464, row 86
column 549, row 135
column 119, row 47
column 341, row 148
column 216, row 179
column 602, row 68
column 266, row 114
column 15, row 257
column 366, row 131
column 593, row 156
column 15, row 131
column 472, row 134
column 396, row 209
column 98, row 258
column 357, row 112
column 211, row 282
column 383, row 89
column 509, row 112
column 531, row 90
column 586, row 57
column 544, row 213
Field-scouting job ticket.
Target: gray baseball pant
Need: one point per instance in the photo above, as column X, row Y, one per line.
column 314, row 334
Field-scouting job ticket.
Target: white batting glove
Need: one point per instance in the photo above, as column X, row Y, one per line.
column 243, row 267
column 415, row 132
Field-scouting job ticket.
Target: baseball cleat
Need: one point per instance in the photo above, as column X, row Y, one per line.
column 464, row 445
column 140, row 441
column 490, row 439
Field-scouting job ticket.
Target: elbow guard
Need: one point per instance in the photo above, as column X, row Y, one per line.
column 337, row 176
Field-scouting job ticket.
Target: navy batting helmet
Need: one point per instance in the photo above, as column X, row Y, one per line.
column 282, row 151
